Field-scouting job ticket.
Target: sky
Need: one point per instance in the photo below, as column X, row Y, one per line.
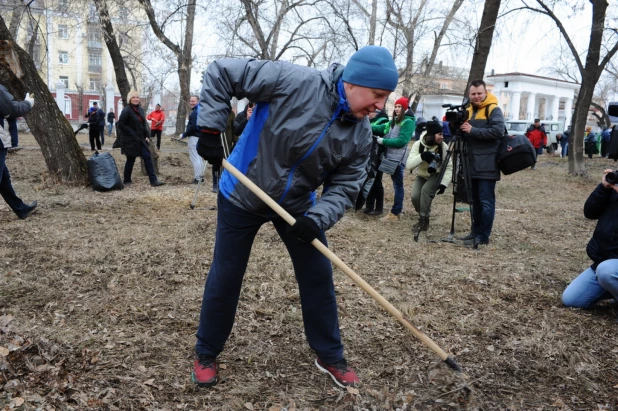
column 527, row 44
column 522, row 42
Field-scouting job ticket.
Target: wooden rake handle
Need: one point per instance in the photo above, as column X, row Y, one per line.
column 343, row 267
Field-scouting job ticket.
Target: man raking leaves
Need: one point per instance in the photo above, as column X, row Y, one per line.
column 309, row 128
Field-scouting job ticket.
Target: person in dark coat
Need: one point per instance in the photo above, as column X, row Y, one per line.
column 600, row 280
column 93, row 127
column 482, row 132
column 135, row 138
column 243, row 118
column 10, row 107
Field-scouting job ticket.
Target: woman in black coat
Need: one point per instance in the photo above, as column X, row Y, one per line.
column 134, row 139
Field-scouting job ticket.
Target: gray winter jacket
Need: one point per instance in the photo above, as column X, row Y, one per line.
column 297, row 139
column 10, row 107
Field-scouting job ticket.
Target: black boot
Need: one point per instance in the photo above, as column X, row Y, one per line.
column 424, row 223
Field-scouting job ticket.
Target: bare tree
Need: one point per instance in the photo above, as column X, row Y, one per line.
column 483, row 40
column 113, row 48
column 436, row 46
column 408, row 26
column 182, row 52
column 63, row 156
column 589, row 73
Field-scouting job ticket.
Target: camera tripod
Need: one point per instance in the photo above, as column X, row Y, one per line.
column 458, row 152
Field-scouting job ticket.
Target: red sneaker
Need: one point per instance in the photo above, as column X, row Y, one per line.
column 339, row 371
column 205, row 371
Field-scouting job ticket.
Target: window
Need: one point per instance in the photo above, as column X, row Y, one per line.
column 506, row 84
column 554, row 127
column 442, row 86
column 63, row 57
column 95, row 83
column 65, row 80
column 63, row 31
column 94, row 59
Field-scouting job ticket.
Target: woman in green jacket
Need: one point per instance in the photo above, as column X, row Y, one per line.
column 397, row 134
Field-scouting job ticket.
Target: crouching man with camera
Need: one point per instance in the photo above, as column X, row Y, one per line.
column 600, row 280
column 427, row 155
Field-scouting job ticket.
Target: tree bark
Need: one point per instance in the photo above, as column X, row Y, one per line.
column 63, row 156
column 114, row 50
column 483, row 41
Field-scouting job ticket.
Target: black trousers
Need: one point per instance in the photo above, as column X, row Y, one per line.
column 157, row 133
column 93, row 133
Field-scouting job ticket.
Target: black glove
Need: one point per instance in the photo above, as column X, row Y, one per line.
column 441, row 189
column 209, row 146
column 427, row 156
column 305, row 229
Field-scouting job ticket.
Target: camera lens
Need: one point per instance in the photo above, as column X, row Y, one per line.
column 612, row 177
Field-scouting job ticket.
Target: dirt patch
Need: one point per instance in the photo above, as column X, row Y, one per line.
column 100, row 296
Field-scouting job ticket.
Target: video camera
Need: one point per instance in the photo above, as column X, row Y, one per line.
column 456, row 115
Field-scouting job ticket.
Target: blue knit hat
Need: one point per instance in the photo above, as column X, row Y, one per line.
column 372, row 67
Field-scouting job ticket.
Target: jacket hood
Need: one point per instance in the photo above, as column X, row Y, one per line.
column 410, row 113
column 490, row 99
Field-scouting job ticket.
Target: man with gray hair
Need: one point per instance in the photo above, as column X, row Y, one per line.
column 309, row 128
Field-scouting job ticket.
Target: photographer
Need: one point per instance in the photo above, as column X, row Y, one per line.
column 427, row 155
column 482, row 133
column 600, row 280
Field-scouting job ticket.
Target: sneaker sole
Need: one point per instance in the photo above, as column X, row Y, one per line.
column 325, row 371
column 203, row 384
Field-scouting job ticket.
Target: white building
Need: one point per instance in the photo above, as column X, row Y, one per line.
column 546, row 98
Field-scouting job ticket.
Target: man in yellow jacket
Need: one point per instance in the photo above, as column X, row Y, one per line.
column 482, row 133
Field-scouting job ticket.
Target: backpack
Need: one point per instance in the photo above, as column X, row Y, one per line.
column 515, row 153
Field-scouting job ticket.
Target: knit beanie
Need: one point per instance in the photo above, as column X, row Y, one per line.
column 434, row 127
column 372, row 67
column 403, row 102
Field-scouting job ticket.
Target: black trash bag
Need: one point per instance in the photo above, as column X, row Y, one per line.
column 103, row 172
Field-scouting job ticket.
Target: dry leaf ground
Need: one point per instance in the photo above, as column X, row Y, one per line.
column 100, row 296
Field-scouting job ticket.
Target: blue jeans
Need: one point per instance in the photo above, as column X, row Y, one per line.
column 236, row 230
column 565, row 149
column 397, row 179
column 110, row 127
column 590, row 286
column 128, row 167
column 6, row 188
column 539, row 151
column 484, row 207
column 102, row 133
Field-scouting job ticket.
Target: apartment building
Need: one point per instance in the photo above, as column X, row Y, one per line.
column 66, row 42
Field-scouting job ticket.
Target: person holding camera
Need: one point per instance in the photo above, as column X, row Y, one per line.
column 600, row 280
column 482, row 134
column 397, row 134
column 426, row 156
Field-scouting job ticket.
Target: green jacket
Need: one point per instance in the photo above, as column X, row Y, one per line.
column 406, row 131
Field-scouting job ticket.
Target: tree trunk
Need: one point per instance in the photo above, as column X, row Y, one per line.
column 436, row 46
column 185, row 61
column 18, row 12
column 372, row 22
column 406, row 78
column 483, row 41
column 114, row 50
column 63, row 156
